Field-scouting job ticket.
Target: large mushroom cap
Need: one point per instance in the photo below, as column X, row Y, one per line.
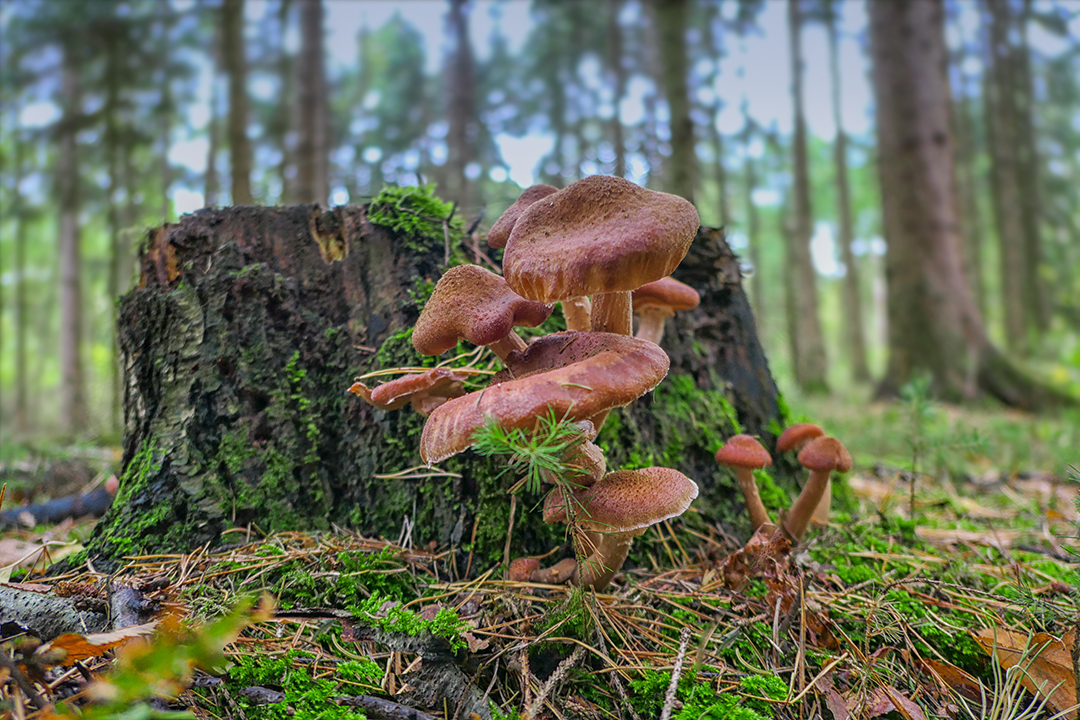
column 743, row 451
column 796, row 436
column 561, row 349
column 475, row 304
column 600, row 234
column 825, row 453
column 625, row 501
column 666, row 293
column 500, row 231
column 575, row 392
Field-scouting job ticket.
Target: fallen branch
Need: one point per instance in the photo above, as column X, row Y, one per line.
column 380, row 709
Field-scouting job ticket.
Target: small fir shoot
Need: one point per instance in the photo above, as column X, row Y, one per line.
column 537, row 456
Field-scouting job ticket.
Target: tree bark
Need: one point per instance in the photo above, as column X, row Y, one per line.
column 461, row 105
column 312, row 176
column 73, row 410
column 233, row 54
column 853, row 307
column 680, row 170
column 249, row 323
column 934, row 326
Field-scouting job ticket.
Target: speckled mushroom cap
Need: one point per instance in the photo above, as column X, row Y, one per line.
column 600, row 234
column 500, row 231
column 578, row 391
column 743, row 451
column 825, row 453
column 625, row 500
column 475, row 304
column 666, row 293
column 798, row 435
column 437, row 382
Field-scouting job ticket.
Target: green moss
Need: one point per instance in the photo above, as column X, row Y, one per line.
column 417, row 214
column 701, row 700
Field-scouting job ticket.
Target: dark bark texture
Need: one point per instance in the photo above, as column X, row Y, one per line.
column 249, row 324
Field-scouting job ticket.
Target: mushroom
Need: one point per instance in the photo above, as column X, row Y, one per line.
column 527, row 569
column 475, row 304
column 620, row 506
column 602, row 236
column 795, row 437
column 657, row 301
column 743, row 454
column 424, row 391
column 578, row 391
column 820, row 457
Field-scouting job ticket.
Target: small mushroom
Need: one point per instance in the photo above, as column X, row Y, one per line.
column 820, row 457
column 795, row 437
column 744, row 454
column 601, row 236
column 619, row 507
column 655, row 302
column 500, row 231
column 424, row 391
column 475, row 304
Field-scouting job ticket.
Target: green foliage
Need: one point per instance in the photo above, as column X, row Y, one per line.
column 416, row 213
column 538, row 456
column 340, row 580
column 397, row 619
column 702, row 701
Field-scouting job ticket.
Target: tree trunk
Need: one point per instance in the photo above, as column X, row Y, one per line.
column 312, row 176
column 617, row 80
column 288, row 77
column 680, row 170
column 461, row 105
column 1004, row 138
column 22, row 305
column 934, row 326
column 233, row 54
column 248, row 325
column 73, row 411
column 165, row 110
column 809, row 347
column 112, row 142
column 853, row 307
column 753, row 223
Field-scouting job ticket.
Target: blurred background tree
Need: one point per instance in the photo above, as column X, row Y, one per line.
column 118, row 115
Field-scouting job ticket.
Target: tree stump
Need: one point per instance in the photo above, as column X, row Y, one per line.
column 249, row 323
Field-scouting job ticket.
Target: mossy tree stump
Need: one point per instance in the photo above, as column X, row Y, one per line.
column 247, row 327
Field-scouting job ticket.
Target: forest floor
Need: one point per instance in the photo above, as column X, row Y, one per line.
column 953, row 595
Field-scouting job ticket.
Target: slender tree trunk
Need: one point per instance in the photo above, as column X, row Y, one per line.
column 233, row 54
column 22, row 305
column 617, row 80
column 753, row 223
column 1004, row 152
column 112, row 118
column 461, row 105
column 312, row 176
column 934, row 325
column 72, row 381
column 672, row 17
column 211, row 182
column 165, row 110
column 809, row 360
column 287, row 72
column 853, row 307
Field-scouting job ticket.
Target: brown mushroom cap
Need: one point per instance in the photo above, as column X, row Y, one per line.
column 743, row 451
column 500, row 231
column 825, row 453
column 600, row 234
column 576, row 392
column 564, row 348
column 796, row 436
column 435, row 383
column 475, row 304
column 521, row 569
column 625, row 501
column 666, row 293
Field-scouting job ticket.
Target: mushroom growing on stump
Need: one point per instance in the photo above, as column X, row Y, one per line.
column 744, row 454
column 796, row 438
column 621, row 506
column 475, row 304
column 602, row 236
column 424, row 391
column 655, row 302
column 820, row 457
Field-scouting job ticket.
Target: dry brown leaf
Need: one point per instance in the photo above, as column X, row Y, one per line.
column 77, row 647
column 1048, row 662
column 1000, row 539
column 903, row 704
column 954, row 678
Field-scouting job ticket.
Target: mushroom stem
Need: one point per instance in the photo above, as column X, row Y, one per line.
column 577, row 311
column 754, row 506
column 507, row 345
column 821, row 512
column 608, row 556
column 798, row 517
column 651, row 326
column 612, row 312
column 557, row 574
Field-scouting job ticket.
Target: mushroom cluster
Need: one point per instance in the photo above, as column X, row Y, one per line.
column 588, row 246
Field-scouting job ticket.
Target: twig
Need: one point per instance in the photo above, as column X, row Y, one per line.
column 558, row 675
column 676, row 673
column 24, row 684
column 376, row 707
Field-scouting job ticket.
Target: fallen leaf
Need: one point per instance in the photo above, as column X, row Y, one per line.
column 1047, row 663
column 954, row 678
column 904, row 705
column 1000, row 539
column 77, row 647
